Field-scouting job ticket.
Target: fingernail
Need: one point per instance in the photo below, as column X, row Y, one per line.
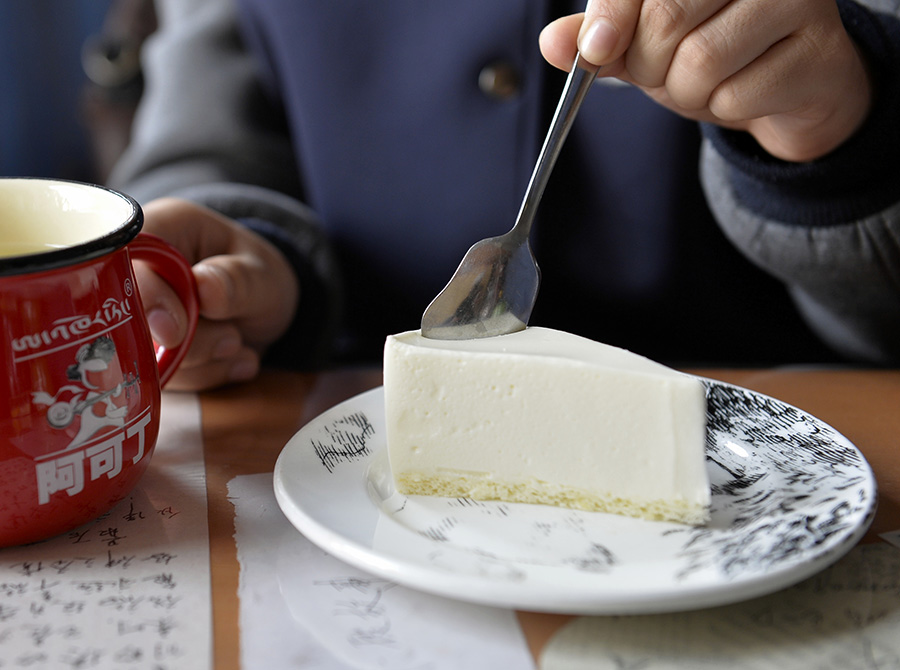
column 163, row 326
column 598, row 41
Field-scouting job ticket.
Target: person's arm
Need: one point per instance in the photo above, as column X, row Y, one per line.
column 805, row 179
column 785, row 72
column 207, row 133
column 829, row 228
column 204, row 117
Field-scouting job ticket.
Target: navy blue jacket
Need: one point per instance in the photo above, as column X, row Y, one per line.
column 405, row 161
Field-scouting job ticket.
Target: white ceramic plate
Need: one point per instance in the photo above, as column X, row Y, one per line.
column 790, row 496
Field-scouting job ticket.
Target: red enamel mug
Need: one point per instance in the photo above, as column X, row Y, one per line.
column 80, row 394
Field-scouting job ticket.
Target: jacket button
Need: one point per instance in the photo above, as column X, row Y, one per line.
column 499, row 80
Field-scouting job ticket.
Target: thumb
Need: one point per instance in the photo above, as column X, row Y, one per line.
column 607, row 29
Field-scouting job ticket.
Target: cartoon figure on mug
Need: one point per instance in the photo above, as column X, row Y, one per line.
column 93, row 404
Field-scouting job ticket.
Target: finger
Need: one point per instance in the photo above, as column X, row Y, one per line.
column 166, row 315
column 196, row 231
column 241, row 287
column 794, row 116
column 723, row 46
column 213, row 341
column 608, row 29
column 704, row 115
column 217, row 356
column 558, row 41
column 243, row 366
column 661, row 28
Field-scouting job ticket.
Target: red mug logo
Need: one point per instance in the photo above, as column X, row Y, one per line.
column 97, row 412
column 95, row 404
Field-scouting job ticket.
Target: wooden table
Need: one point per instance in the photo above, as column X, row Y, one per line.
column 245, row 427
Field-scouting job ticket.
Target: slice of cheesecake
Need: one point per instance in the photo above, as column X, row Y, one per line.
column 544, row 416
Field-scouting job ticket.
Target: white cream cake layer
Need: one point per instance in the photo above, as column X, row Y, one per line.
column 544, row 416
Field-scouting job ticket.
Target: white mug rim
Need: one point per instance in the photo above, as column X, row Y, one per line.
column 90, row 249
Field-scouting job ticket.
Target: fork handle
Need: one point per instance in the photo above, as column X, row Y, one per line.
column 577, row 85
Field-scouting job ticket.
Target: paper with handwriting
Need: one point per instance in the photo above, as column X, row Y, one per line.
column 301, row 607
column 844, row 618
column 129, row 590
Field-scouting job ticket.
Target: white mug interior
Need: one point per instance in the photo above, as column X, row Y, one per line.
column 43, row 215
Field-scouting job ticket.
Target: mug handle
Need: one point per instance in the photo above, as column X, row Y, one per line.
column 172, row 266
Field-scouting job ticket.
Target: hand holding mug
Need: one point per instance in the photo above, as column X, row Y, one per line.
column 248, row 293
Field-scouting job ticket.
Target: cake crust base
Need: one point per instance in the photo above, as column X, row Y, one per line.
column 536, row 492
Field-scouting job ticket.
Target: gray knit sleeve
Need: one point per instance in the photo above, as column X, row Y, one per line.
column 233, row 156
column 845, row 278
